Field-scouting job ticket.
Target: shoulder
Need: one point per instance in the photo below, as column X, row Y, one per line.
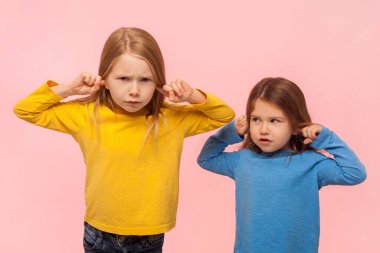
column 176, row 108
column 178, row 111
column 312, row 157
column 246, row 153
column 78, row 106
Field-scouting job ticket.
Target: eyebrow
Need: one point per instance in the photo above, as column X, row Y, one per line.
column 127, row 74
column 273, row 117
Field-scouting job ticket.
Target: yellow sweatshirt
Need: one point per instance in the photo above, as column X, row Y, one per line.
column 131, row 187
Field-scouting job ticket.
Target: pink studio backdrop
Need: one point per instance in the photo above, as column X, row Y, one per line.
column 330, row 48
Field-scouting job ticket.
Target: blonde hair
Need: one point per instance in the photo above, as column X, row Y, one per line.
column 137, row 43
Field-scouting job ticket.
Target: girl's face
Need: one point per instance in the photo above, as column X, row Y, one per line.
column 131, row 83
column 270, row 128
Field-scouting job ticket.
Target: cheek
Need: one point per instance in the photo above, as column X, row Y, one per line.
column 115, row 92
column 252, row 130
column 149, row 91
column 152, row 92
column 286, row 135
column 118, row 93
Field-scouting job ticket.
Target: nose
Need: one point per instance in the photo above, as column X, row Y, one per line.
column 134, row 89
column 264, row 130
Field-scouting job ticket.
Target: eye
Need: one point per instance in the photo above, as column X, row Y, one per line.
column 275, row 121
column 145, row 79
column 255, row 119
column 124, row 78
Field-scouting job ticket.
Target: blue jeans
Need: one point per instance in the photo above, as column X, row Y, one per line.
column 95, row 241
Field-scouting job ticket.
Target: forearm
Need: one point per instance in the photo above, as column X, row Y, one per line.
column 37, row 102
column 212, row 156
column 215, row 109
column 197, row 97
column 62, row 90
column 43, row 108
column 351, row 171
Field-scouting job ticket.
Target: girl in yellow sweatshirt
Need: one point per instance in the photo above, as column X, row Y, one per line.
column 131, row 139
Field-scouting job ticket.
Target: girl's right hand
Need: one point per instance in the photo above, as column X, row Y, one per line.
column 84, row 84
column 241, row 125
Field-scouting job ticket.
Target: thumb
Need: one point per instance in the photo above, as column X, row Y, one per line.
column 307, row 141
column 162, row 91
column 167, row 92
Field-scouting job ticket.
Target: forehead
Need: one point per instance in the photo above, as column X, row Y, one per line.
column 264, row 108
column 129, row 64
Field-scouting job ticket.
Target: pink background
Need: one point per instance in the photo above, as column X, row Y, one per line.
column 330, row 48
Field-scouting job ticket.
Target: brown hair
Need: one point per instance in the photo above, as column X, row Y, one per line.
column 137, row 43
column 287, row 96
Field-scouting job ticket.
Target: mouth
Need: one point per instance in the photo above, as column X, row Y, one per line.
column 133, row 102
column 264, row 141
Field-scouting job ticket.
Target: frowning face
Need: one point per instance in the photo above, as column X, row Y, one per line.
column 131, row 83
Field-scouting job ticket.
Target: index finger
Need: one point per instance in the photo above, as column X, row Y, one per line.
column 162, row 91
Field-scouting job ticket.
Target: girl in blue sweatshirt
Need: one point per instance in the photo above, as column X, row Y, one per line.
column 280, row 169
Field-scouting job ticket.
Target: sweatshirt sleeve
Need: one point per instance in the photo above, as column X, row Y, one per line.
column 210, row 115
column 344, row 169
column 212, row 156
column 44, row 108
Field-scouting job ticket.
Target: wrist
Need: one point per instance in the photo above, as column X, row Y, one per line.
column 197, row 97
column 241, row 133
column 62, row 90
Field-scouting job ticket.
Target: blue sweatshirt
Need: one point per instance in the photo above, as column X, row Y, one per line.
column 277, row 201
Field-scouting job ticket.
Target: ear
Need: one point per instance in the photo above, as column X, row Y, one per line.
column 104, row 84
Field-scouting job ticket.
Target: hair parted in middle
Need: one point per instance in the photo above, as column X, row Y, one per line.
column 138, row 43
column 287, row 96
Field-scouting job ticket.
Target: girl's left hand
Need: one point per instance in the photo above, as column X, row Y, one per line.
column 311, row 132
column 179, row 91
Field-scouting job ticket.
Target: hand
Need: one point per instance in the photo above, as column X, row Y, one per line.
column 179, row 91
column 241, row 125
column 311, row 132
column 84, row 84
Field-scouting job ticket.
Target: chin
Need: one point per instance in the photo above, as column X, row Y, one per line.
column 267, row 150
column 132, row 109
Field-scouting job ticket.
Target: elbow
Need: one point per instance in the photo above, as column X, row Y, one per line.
column 24, row 114
column 200, row 161
column 359, row 177
column 18, row 111
column 231, row 115
column 203, row 162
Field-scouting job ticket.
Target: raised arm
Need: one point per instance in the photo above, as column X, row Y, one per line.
column 213, row 157
column 345, row 168
column 206, row 112
column 44, row 108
